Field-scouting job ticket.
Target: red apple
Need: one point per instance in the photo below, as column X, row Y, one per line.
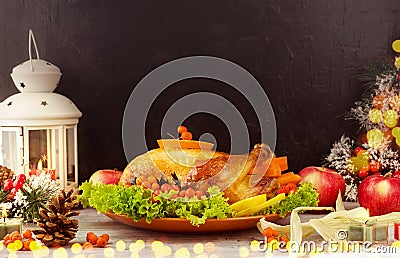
column 327, row 182
column 106, row 176
column 380, row 194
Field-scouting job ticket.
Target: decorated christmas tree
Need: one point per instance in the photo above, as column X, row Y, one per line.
column 376, row 150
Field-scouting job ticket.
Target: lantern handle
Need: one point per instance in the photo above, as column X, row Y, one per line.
column 32, row 38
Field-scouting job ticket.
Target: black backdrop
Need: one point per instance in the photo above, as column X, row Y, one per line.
column 305, row 54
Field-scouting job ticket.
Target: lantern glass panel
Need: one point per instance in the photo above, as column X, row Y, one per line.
column 71, row 162
column 11, row 148
column 38, row 147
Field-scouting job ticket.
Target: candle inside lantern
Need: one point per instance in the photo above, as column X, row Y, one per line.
column 40, row 165
column 7, row 226
column 396, row 231
column 39, row 169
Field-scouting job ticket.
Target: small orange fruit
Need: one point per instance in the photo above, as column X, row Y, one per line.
column 88, row 235
column 268, row 232
column 284, row 239
column 186, row 136
column 101, row 242
column 106, row 236
column 93, row 239
column 182, row 129
column 87, row 247
column 27, row 234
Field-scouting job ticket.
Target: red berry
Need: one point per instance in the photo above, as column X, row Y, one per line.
column 292, row 186
column 18, row 184
column 12, row 193
column 285, row 189
column 363, row 173
column 21, row 177
column 358, row 149
column 374, row 166
column 8, row 185
column 365, row 168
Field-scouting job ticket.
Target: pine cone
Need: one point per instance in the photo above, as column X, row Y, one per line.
column 57, row 226
column 5, row 173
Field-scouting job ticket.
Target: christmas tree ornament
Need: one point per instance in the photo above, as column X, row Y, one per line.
column 397, row 62
column 396, row 132
column 396, row 45
column 375, row 115
column 375, row 138
column 390, row 118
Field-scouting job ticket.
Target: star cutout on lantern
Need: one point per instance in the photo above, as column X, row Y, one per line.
column 9, row 103
column 44, row 103
column 22, row 85
column 48, row 63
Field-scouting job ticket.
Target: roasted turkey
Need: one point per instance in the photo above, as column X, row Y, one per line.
column 239, row 176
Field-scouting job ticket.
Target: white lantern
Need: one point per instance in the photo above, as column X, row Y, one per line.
column 38, row 128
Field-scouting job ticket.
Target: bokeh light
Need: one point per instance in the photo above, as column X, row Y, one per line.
column 254, row 245
column 120, row 245
column 109, row 252
column 167, row 251
column 135, row 255
column 209, row 247
column 140, row 244
column 182, row 252
column 198, row 248
column 76, row 248
column 244, row 251
column 60, row 253
column 157, row 246
column 201, row 256
column 12, row 255
column 396, row 244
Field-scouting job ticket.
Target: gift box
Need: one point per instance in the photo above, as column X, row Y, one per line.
column 370, row 231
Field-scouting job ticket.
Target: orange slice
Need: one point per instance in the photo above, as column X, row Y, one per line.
column 184, row 144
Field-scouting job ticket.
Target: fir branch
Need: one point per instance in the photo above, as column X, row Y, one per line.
column 34, row 195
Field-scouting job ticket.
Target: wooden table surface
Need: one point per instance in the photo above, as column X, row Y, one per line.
column 235, row 244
